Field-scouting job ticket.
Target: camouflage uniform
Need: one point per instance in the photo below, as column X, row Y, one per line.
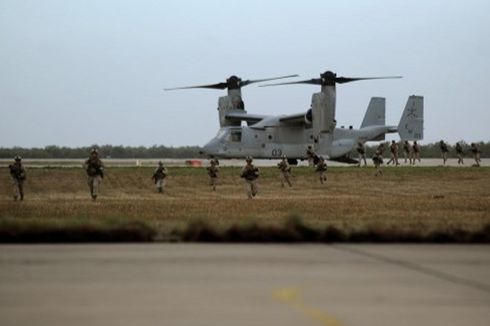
column 213, row 173
column 95, row 173
column 459, row 153
column 378, row 160
column 415, row 152
column 394, row 153
column 362, row 153
column 18, row 174
column 159, row 176
column 406, row 151
column 310, row 155
column 444, row 150
column 321, row 169
column 250, row 173
column 476, row 153
column 285, row 170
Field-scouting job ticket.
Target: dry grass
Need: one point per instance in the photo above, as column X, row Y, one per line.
column 417, row 199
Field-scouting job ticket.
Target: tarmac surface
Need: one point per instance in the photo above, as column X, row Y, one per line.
column 191, row 284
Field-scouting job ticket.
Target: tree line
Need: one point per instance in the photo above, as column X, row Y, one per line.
column 111, row 151
column 106, row 151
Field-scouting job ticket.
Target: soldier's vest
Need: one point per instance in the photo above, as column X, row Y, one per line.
column 17, row 172
column 283, row 166
column 160, row 173
column 377, row 159
column 321, row 167
column 94, row 167
column 250, row 173
column 213, row 172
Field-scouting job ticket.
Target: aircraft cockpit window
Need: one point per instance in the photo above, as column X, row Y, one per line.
column 236, row 136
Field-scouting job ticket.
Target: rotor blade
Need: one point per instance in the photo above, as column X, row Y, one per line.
column 342, row 80
column 314, row 81
column 248, row 82
column 213, row 86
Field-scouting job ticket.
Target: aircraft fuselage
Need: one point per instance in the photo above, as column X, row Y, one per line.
column 272, row 142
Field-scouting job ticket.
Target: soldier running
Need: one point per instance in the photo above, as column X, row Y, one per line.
column 250, row 173
column 459, row 153
column 213, row 173
column 285, row 171
column 444, row 151
column 310, row 155
column 378, row 160
column 415, row 152
column 321, row 169
column 406, row 151
column 361, row 150
column 394, row 153
column 18, row 174
column 476, row 153
column 159, row 176
column 95, row 172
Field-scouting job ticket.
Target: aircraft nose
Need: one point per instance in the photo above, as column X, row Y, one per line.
column 210, row 148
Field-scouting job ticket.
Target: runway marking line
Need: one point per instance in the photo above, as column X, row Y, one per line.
column 292, row 297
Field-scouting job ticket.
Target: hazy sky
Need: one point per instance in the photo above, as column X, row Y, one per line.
column 76, row 73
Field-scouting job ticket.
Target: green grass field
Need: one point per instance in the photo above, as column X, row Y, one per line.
column 421, row 199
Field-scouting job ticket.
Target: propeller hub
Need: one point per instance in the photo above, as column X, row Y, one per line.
column 328, row 78
column 234, row 82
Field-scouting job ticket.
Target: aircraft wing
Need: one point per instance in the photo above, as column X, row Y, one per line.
column 293, row 119
column 249, row 118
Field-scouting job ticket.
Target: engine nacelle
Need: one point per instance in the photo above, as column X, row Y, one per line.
column 229, row 104
column 323, row 111
column 309, row 117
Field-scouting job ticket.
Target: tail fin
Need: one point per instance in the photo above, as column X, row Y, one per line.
column 411, row 126
column 375, row 113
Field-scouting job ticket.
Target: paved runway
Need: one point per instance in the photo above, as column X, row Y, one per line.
column 187, row 284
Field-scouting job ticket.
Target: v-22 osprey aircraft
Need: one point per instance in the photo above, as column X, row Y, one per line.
column 271, row 137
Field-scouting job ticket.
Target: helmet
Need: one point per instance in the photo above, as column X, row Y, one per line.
column 321, row 158
column 17, row 158
column 160, row 163
column 284, row 157
column 249, row 159
column 94, row 151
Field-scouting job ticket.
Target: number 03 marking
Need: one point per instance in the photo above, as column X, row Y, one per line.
column 276, row 152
